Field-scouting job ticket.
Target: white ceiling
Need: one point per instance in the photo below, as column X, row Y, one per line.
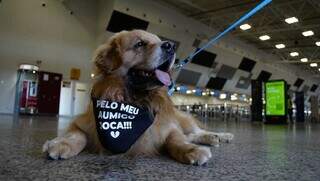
column 219, row 14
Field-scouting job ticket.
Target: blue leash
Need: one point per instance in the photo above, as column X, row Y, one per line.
column 217, row 37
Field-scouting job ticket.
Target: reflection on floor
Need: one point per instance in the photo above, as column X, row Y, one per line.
column 259, row 152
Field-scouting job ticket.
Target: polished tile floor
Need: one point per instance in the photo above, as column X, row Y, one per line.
column 258, row 152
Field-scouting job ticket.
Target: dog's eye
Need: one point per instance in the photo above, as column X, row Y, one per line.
column 140, row 44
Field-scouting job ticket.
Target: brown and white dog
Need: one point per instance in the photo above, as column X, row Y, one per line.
column 150, row 60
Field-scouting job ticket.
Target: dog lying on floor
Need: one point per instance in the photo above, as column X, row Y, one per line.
column 133, row 70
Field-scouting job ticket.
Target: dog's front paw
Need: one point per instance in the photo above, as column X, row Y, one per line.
column 198, row 155
column 58, row 148
column 225, row 137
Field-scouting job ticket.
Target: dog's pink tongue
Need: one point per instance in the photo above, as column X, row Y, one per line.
column 164, row 77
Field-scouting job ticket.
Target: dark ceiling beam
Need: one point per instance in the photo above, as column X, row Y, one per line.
column 191, row 4
column 296, row 62
column 290, row 47
column 299, row 40
column 258, row 32
column 223, row 8
column 211, row 15
column 307, row 23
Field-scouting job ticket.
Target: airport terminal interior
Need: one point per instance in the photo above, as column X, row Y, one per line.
column 248, row 69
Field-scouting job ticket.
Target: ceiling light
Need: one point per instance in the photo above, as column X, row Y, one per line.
column 307, row 33
column 304, row 60
column 318, row 43
column 264, row 37
column 294, row 54
column 291, row 20
column 319, row 69
column 245, row 26
column 279, row 46
column 223, row 96
column 234, row 97
column 313, row 64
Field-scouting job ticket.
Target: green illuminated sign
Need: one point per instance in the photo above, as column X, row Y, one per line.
column 275, row 98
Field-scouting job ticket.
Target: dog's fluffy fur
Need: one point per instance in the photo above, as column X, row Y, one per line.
column 173, row 132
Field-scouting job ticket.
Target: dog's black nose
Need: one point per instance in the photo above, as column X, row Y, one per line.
column 168, row 46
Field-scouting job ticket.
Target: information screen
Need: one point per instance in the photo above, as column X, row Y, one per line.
column 275, row 98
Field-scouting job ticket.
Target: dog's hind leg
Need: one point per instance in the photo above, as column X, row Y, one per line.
column 204, row 137
column 198, row 135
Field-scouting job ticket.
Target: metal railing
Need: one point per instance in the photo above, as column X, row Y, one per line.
column 218, row 111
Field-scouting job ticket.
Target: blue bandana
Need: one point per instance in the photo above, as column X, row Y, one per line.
column 119, row 125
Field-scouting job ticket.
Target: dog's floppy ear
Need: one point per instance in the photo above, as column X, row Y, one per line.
column 107, row 58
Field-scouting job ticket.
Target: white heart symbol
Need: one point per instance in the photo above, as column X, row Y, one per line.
column 115, row 134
